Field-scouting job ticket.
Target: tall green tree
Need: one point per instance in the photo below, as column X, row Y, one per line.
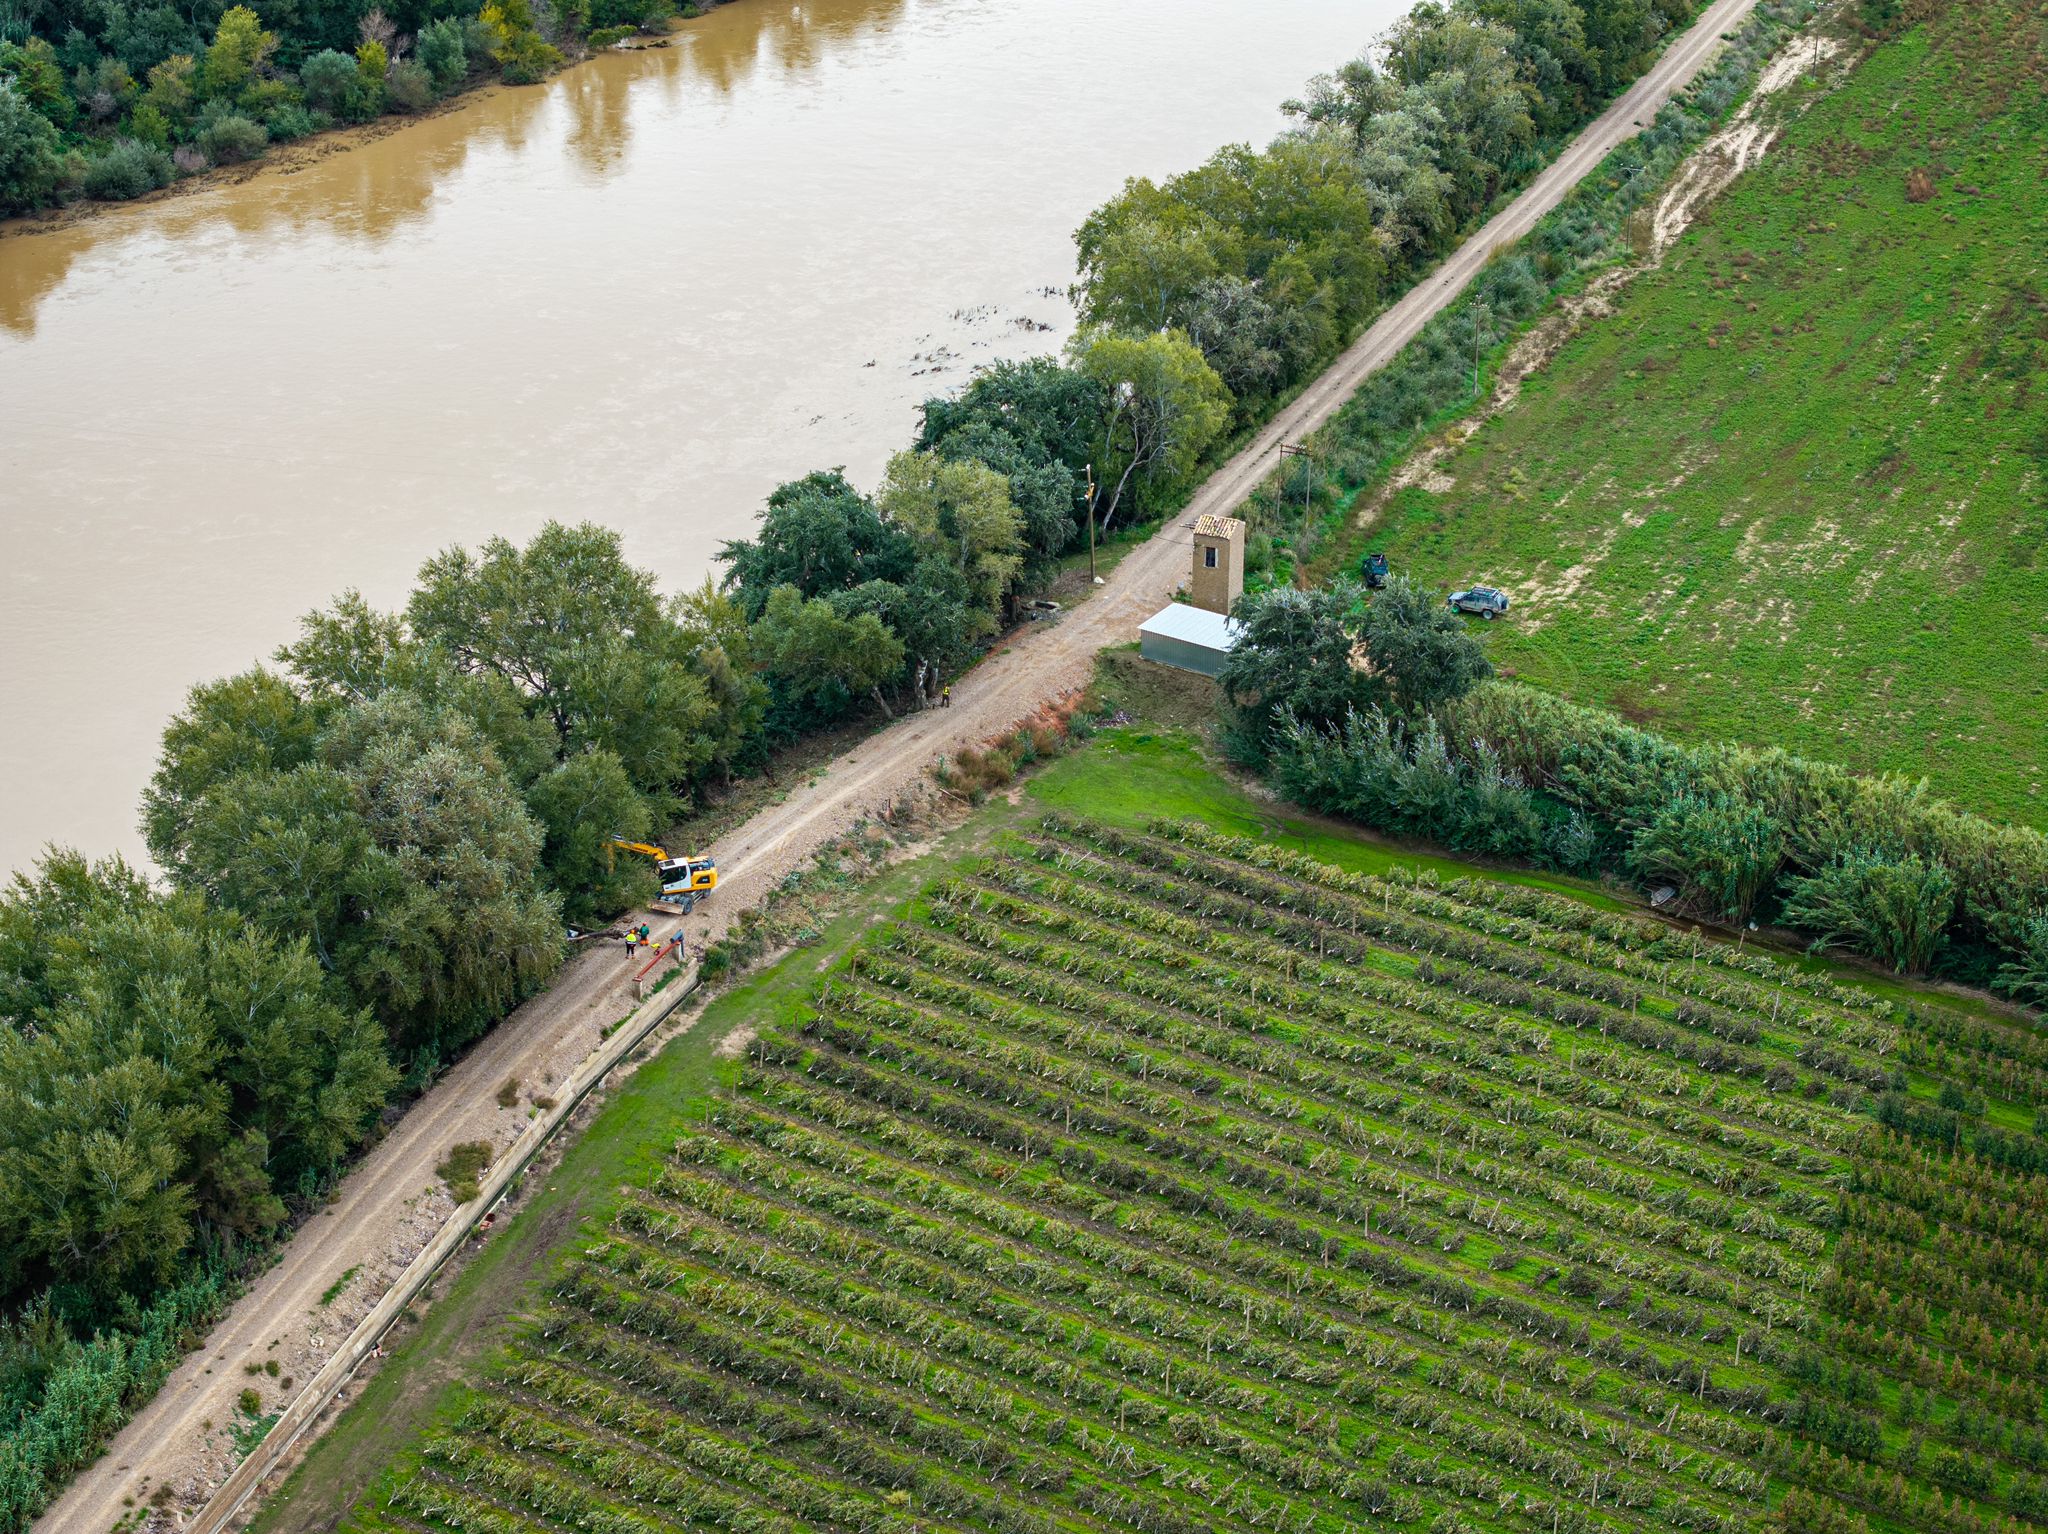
column 1165, row 405
column 581, row 806
column 1419, row 651
column 1046, row 492
column 1052, row 410
column 584, row 638
column 397, row 849
column 820, row 535
column 929, row 613
column 32, row 71
column 353, row 653
column 1316, row 657
column 1559, row 72
column 714, row 628
column 239, row 45
column 250, row 723
column 1256, row 346
column 1143, row 255
column 169, row 1068
column 1296, row 658
column 535, row 616
column 30, row 165
column 959, row 510
column 449, row 927
column 821, row 659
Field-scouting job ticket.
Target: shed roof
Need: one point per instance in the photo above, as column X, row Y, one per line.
column 1211, row 525
column 1193, row 625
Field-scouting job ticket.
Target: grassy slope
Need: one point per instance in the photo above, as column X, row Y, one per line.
column 1124, row 778
column 1791, row 492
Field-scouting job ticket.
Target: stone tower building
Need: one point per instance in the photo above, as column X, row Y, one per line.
column 1218, row 579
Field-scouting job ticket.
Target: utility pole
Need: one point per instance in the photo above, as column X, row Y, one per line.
column 1091, row 526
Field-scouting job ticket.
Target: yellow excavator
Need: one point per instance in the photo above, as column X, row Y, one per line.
column 684, row 881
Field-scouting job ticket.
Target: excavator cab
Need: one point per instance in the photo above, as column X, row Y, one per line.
column 687, row 876
column 684, row 881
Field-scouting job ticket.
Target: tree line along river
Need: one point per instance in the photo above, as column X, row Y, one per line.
column 643, row 293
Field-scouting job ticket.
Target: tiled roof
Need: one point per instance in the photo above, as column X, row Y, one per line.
column 1209, row 525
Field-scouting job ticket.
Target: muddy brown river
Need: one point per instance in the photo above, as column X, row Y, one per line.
column 643, row 293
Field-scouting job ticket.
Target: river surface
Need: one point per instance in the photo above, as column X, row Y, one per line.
column 644, row 293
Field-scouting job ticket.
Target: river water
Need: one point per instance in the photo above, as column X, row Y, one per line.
column 643, row 293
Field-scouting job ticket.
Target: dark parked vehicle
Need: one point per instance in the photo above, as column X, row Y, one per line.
column 1483, row 600
column 1374, row 570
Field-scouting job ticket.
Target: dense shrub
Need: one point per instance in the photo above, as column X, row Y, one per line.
column 148, row 125
column 1935, row 869
column 524, row 56
column 1722, row 853
column 1893, row 908
column 409, row 86
column 231, row 139
column 627, row 16
column 441, row 50
column 29, row 162
column 1874, row 865
column 1375, row 770
column 1626, row 775
column 2024, row 976
column 66, row 1395
column 287, row 123
column 365, row 99
column 128, row 170
column 146, row 72
column 328, row 78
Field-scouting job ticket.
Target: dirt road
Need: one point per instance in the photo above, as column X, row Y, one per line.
column 391, row 1205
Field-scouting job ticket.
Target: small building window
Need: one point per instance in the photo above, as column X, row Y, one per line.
column 1209, row 557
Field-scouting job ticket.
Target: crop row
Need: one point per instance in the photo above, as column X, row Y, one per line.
column 1634, row 1017
column 1842, row 1046
column 1122, row 1150
column 1114, row 906
column 1125, row 1274
column 1134, row 1338
column 1464, row 1187
column 1169, row 1183
column 1362, row 1004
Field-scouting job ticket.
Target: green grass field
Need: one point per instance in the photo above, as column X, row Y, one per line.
column 1255, row 1177
column 1792, row 492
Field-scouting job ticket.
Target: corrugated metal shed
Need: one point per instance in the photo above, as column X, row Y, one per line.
column 1192, row 638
